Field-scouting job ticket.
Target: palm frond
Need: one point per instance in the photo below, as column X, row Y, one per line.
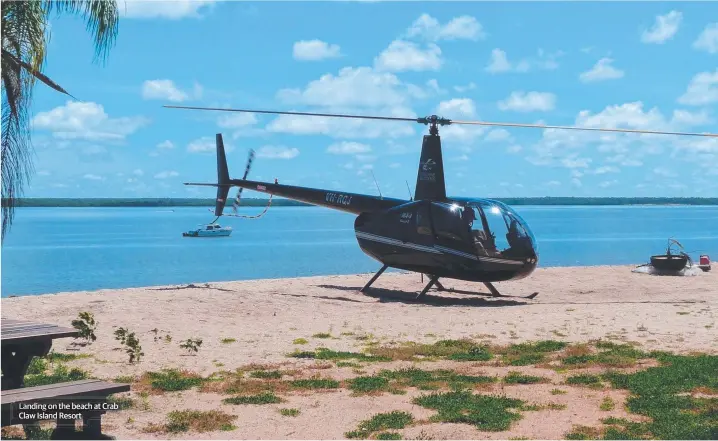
column 101, row 18
column 24, row 44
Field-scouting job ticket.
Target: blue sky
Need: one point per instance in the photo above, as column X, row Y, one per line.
column 638, row 65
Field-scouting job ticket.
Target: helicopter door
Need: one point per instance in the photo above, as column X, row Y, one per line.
column 451, row 232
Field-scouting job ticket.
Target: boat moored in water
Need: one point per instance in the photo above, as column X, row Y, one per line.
column 211, row 230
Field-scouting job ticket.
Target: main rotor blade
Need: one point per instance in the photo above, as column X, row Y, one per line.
column 443, row 121
column 271, row 112
column 593, row 129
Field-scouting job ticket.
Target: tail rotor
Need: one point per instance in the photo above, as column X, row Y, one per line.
column 250, row 159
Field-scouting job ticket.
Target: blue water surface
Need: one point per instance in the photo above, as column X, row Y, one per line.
column 72, row 249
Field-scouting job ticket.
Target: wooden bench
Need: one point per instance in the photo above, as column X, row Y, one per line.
column 21, row 341
column 92, row 392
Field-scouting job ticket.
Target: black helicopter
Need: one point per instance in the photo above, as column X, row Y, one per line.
column 472, row 239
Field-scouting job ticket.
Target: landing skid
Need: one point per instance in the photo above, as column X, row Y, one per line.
column 434, row 281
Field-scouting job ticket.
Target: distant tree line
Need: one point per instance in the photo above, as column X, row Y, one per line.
column 280, row 202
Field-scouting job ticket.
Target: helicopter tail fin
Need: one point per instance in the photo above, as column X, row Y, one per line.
column 222, row 177
column 430, row 179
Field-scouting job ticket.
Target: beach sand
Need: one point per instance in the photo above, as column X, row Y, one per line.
column 577, row 304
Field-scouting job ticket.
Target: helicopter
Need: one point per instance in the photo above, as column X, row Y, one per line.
column 471, row 239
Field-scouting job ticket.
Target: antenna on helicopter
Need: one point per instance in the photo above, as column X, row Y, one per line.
column 377, row 184
column 411, row 197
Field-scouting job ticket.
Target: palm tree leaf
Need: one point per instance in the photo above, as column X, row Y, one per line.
column 37, row 74
column 101, row 18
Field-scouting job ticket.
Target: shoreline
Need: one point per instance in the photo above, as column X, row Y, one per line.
column 392, row 271
column 579, row 289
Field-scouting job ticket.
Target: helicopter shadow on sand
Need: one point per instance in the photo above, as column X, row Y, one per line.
column 393, row 295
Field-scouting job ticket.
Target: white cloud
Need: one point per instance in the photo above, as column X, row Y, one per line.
column 315, row 50
column 514, row 149
column 520, row 101
column 433, row 85
column 606, row 169
column 165, row 145
column 237, row 120
column 702, row 90
column 207, row 144
column 464, row 27
column 403, row 56
column 365, row 158
column 138, row 172
column 564, row 148
column 708, row 39
column 359, row 90
column 664, row 172
column 277, row 152
column 43, row 173
column 348, row 148
column 601, row 71
column 173, row 10
column 352, row 87
column 163, row 90
column 552, row 183
column 461, row 89
column 86, row 120
column 499, row 62
column 664, row 28
column 457, row 107
column 166, row 174
column 93, row 177
column 496, row 135
column 606, row 184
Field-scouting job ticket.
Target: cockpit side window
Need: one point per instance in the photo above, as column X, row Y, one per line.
column 447, row 221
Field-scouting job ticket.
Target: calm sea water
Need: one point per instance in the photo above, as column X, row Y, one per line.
column 70, row 249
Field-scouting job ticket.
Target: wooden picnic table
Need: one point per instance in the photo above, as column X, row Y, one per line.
column 22, row 340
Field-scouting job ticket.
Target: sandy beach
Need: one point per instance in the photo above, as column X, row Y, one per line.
column 260, row 321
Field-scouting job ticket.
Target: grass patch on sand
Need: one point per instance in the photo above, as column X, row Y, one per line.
column 458, row 350
column 289, row 412
column 314, row 383
column 171, row 380
column 270, row 375
column 525, row 354
column 194, row 421
column 397, row 380
column 388, row 435
column 122, row 402
column 583, row 432
column 558, row 392
column 300, row 341
column 663, row 394
column 368, row 384
column 487, row 413
column 608, row 354
column 261, row 398
column 380, row 422
column 322, row 335
column 328, row 354
column 126, row 379
column 228, row 340
column 593, row 381
column 607, row 404
column 519, row 378
column 60, row 374
column 348, row 364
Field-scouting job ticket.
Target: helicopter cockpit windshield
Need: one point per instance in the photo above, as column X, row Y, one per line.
column 499, row 231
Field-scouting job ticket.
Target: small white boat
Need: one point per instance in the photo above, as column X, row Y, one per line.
column 211, row 230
